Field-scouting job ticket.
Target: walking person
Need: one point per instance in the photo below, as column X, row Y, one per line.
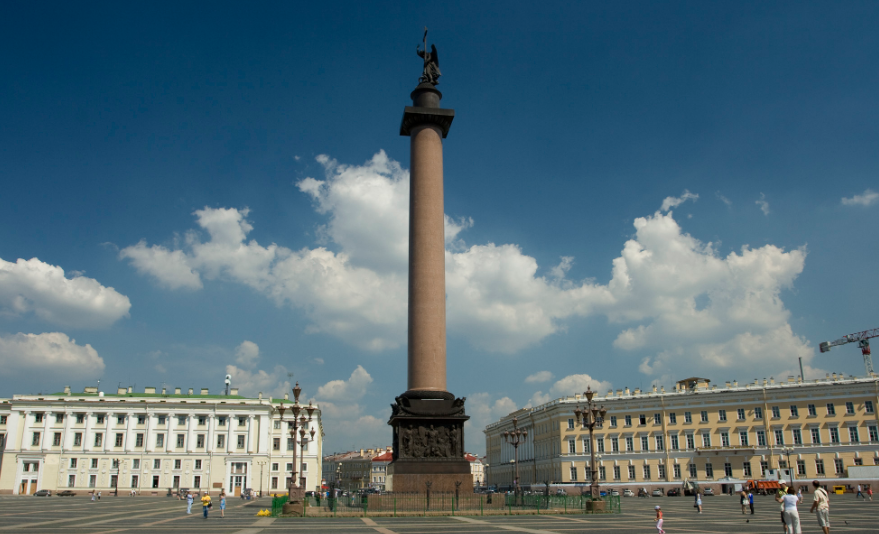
column 821, row 505
column 870, row 492
column 659, row 520
column 205, row 504
column 99, row 495
column 699, row 501
column 860, row 493
column 222, row 504
column 791, row 515
column 743, row 497
column 779, row 495
column 751, row 501
column 189, row 500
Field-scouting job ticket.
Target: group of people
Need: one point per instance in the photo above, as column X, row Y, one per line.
column 788, row 498
column 206, row 503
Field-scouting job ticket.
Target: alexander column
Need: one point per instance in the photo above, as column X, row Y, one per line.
column 428, row 421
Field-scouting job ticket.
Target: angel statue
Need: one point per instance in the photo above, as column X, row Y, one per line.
column 431, row 72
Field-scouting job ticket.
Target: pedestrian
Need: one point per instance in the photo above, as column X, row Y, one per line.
column 94, row 496
column 821, row 505
column 699, row 501
column 791, row 515
column 206, row 503
column 743, row 497
column 751, row 501
column 860, row 493
column 189, row 500
column 800, row 494
column 659, row 520
column 222, row 504
column 870, row 492
column 779, row 495
column 99, row 495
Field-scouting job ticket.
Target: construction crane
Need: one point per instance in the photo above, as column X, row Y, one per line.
column 863, row 342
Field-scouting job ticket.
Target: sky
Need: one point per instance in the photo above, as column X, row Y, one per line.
column 635, row 193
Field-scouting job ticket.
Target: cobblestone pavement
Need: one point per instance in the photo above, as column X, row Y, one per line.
column 141, row 515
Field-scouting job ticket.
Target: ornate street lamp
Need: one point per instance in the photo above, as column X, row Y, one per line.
column 296, row 492
column 514, row 438
column 591, row 417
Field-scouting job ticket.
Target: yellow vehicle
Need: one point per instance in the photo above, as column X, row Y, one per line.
column 839, row 490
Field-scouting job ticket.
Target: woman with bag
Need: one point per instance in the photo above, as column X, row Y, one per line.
column 698, row 501
column 206, row 504
column 791, row 515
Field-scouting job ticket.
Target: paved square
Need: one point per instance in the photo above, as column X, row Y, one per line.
column 141, row 515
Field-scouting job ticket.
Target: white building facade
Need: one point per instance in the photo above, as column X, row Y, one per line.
column 150, row 443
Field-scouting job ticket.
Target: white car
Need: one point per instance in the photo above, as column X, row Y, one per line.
column 628, row 493
column 615, row 493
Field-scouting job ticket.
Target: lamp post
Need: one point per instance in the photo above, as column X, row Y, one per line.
column 118, row 474
column 303, row 443
column 790, row 470
column 591, row 417
column 514, row 438
column 294, row 425
column 261, row 464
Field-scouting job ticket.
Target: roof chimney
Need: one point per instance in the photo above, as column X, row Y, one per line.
column 67, row 390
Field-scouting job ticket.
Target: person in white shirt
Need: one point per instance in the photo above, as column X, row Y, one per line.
column 821, row 504
column 791, row 515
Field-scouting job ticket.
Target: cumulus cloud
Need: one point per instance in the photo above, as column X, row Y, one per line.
column 343, row 417
column 483, row 409
column 251, row 382
column 32, row 286
column 763, row 203
column 570, row 385
column 52, row 353
column 867, row 198
column 169, row 267
column 540, row 376
column 668, row 291
column 346, row 390
column 247, row 353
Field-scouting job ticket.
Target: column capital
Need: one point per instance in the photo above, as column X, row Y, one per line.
column 417, row 116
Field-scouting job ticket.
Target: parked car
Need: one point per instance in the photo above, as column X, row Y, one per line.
column 66, row 493
column 628, row 493
column 43, row 493
column 708, row 491
column 674, row 492
column 657, row 493
column 615, row 493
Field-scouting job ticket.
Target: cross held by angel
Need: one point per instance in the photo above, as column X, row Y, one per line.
column 431, row 71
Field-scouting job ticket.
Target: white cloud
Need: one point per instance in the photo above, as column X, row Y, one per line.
column 673, row 202
column 51, row 353
column 483, row 409
column 574, row 384
column 169, row 267
column 251, row 383
column 319, row 361
column 247, row 353
column 763, row 203
column 32, row 286
column 867, row 198
column 540, row 376
column 723, row 199
column 346, row 390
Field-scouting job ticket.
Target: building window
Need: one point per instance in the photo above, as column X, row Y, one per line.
column 830, row 409
column 628, row 420
column 570, row 424
column 157, row 464
column 838, row 466
column 56, row 439
column 99, row 439
column 645, row 443
column 691, row 441
column 819, row 467
column 850, row 408
column 221, row 421
column 616, row 472
column 94, row 463
column 688, row 417
column 572, row 447
column 673, row 418
column 859, row 461
column 93, row 480
column 727, row 469
column 160, row 440
column 59, row 418
column 834, row 434
column 874, row 434
column 198, row 464
column 274, row 482
column 573, row 474
column 721, row 415
column 38, row 418
column 202, row 420
column 661, row 469
column 240, row 441
column 134, row 481
column 660, row 443
column 181, row 440
column 692, row 468
column 586, row 445
column 118, row 442
column 80, row 418
column 798, row 436
column 812, row 411
column 289, row 467
column 631, row 472
column 242, row 421
column 613, row 420
column 615, row 444
column 277, row 425
column 676, row 469
column 801, row 467
column 199, row 441
column 706, row 439
column 120, row 419
column 138, row 440
column 761, row 438
column 868, row 406
column 794, row 411
column 601, row 473
column 290, row 444
column 816, row 435
column 135, row 463
column 724, row 439
column 71, row 481
column 709, row 470
column 764, row 466
column 35, row 439
column 674, row 442
column 196, row 481
column 741, row 414
column 73, row 463
column 642, row 419
column 3, row 419
column 657, row 419
column 758, row 413
column 600, row 443
column 630, row 444
column 114, row 463
column 100, row 419
column 776, row 412
column 181, row 420
column 178, row 464
column 646, row 472
column 779, row 437
column 703, row 416
column 746, row 469
column 141, row 419
column 221, row 441
column 162, row 419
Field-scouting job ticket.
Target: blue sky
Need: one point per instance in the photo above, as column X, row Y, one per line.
column 634, row 193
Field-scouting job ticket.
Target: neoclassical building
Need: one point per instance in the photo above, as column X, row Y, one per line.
column 699, row 432
column 150, row 442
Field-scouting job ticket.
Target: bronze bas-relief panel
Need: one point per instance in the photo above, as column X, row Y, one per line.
column 428, row 440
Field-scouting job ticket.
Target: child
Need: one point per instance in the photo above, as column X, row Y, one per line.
column 659, row 520
column 223, row 504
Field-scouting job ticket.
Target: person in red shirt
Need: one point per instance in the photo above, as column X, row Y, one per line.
column 659, row 520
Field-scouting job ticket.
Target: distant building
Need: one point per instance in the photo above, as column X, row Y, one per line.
column 352, row 470
column 380, row 469
column 476, row 469
column 150, row 442
column 715, row 436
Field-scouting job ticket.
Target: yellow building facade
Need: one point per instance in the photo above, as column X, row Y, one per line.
column 698, row 432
